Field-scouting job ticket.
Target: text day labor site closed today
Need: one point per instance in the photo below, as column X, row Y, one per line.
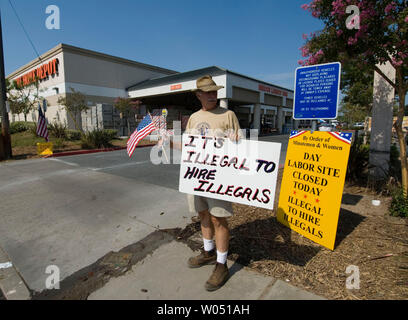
column 312, row 184
column 244, row 172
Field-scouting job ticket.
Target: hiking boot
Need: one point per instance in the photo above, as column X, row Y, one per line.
column 219, row 276
column 204, row 258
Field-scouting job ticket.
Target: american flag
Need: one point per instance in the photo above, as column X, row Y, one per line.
column 146, row 126
column 42, row 130
column 161, row 124
column 296, row 133
column 343, row 136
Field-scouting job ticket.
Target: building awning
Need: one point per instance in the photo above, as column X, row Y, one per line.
column 179, row 77
column 238, row 89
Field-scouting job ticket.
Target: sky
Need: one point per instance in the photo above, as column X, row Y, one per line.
column 257, row 38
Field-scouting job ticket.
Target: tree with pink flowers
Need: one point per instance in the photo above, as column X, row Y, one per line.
column 364, row 33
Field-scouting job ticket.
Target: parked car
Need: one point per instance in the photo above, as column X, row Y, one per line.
column 325, row 126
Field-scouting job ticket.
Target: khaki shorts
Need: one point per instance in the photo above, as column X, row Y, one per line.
column 217, row 208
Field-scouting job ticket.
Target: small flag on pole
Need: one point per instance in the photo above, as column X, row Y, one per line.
column 143, row 129
column 42, row 130
column 159, row 121
column 161, row 124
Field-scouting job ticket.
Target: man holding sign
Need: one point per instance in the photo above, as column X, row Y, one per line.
column 212, row 121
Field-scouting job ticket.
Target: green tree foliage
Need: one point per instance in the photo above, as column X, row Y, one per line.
column 353, row 113
column 24, row 99
column 361, row 39
column 74, row 103
column 357, row 86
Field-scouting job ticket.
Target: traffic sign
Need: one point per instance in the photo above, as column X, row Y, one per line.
column 317, row 91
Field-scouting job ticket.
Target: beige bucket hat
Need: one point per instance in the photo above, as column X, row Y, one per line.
column 206, row 84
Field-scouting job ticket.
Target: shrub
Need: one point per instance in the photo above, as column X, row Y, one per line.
column 73, row 135
column 20, row 126
column 399, row 203
column 395, row 163
column 111, row 133
column 358, row 161
column 96, row 139
column 58, row 130
column 59, row 143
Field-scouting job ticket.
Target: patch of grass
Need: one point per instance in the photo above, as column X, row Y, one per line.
column 117, row 142
column 24, row 144
column 24, row 139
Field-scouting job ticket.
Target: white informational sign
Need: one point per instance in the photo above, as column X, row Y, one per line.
column 243, row 172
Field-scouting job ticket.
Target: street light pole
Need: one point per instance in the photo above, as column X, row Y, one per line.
column 5, row 135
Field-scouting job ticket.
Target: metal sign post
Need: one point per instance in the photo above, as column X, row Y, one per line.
column 314, row 125
column 5, row 140
column 164, row 114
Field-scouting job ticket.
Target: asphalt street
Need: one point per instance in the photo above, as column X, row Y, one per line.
column 71, row 211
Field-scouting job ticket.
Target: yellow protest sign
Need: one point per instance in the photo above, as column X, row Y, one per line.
column 312, row 184
column 44, row 148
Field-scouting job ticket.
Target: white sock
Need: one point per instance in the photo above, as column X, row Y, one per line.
column 222, row 257
column 208, row 244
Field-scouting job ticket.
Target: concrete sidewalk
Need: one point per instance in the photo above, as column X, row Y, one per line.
column 164, row 275
column 101, row 203
column 12, row 286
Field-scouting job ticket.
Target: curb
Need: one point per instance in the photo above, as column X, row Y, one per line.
column 12, row 284
column 73, row 153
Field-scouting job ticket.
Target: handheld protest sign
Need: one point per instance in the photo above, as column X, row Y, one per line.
column 312, row 184
column 243, row 172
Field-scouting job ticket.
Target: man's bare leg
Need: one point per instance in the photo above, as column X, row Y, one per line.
column 221, row 233
column 207, row 228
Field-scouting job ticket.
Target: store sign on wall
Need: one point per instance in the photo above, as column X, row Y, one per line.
column 175, row 87
column 41, row 73
column 264, row 88
column 312, row 184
